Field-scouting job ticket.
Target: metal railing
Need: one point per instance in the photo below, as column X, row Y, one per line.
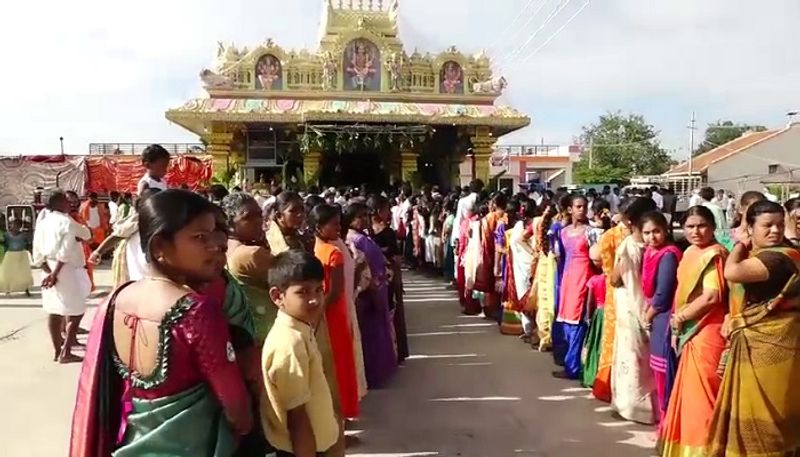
column 532, row 150
column 138, row 148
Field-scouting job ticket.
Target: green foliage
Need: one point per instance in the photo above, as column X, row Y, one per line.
column 721, row 132
column 622, row 146
column 226, row 176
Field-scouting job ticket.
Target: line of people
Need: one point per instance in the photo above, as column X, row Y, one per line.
column 258, row 332
column 695, row 338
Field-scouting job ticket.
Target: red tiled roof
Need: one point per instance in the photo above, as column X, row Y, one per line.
column 701, row 162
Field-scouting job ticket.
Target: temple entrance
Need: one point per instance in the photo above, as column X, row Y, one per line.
column 353, row 169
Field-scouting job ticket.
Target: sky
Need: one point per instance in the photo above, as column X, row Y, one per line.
column 96, row 71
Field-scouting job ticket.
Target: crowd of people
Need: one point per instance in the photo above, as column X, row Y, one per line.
column 260, row 322
column 260, row 328
column 698, row 336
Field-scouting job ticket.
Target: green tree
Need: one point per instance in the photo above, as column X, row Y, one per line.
column 723, row 132
column 618, row 147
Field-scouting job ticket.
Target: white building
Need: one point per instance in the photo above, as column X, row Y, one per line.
column 751, row 162
column 520, row 164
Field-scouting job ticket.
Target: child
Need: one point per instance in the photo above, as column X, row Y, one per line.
column 156, row 161
column 298, row 417
column 659, row 281
column 15, row 270
column 595, row 304
column 600, row 220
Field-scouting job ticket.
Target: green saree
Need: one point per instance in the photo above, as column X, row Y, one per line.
column 178, row 425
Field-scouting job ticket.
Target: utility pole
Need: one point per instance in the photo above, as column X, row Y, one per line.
column 692, row 128
column 591, row 152
column 61, row 140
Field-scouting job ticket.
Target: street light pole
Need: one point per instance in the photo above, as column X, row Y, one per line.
column 61, row 140
column 692, row 128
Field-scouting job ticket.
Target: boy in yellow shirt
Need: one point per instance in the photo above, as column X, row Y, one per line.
column 297, row 413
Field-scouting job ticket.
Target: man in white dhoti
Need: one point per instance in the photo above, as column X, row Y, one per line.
column 56, row 246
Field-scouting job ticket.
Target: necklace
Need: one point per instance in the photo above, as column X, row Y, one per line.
column 167, row 280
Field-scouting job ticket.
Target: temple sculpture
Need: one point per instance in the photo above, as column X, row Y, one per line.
column 357, row 109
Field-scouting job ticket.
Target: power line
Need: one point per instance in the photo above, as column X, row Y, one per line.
column 544, row 24
column 530, row 19
column 501, row 35
column 524, row 26
column 583, row 7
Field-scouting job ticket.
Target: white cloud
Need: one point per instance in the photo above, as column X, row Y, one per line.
column 106, row 71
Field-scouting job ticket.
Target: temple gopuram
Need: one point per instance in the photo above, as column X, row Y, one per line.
column 358, row 109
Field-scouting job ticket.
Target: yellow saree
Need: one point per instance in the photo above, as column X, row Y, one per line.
column 758, row 407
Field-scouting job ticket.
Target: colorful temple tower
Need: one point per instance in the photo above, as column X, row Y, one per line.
column 358, row 109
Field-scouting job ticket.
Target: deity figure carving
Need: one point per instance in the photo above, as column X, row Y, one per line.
column 328, row 71
column 452, row 78
column 212, row 80
column 361, row 65
column 268, row 73
column 395, row 67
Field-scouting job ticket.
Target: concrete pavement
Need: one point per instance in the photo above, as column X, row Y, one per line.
column 469, row 391
column 466, row 391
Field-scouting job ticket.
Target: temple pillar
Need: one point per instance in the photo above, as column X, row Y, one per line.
column 218, row 145
column 311, row 163
column 408, row 164
column 482, row 148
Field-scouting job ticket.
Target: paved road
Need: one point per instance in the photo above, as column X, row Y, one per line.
column 469, row 391
column 466, row 391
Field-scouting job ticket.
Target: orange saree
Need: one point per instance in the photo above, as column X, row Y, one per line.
column 339, row 333
column 699, row 347
column 609, row 243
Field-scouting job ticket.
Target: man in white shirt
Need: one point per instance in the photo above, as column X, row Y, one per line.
column 657, row 198
column 463, row 208
column 695, row 199
column 613, row 199
column 113, row 207
column 56, row 245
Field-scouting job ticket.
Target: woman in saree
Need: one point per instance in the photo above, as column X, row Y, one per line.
column 659, row 279
column 510, row 323
column 698, row 313
column 609, row 242
column 793, row 221
column 128, row 263
column 571, row 314
column 465, row 267
column 520, row 267
column 544, row 277
column 632, row 384
column 326, row 220
column 372, row 304
column 249, row 259
column 447, row 231
column 758, row 406
column 159, row 358
column 286, row 221
column 385, row 237
column 486, row 280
